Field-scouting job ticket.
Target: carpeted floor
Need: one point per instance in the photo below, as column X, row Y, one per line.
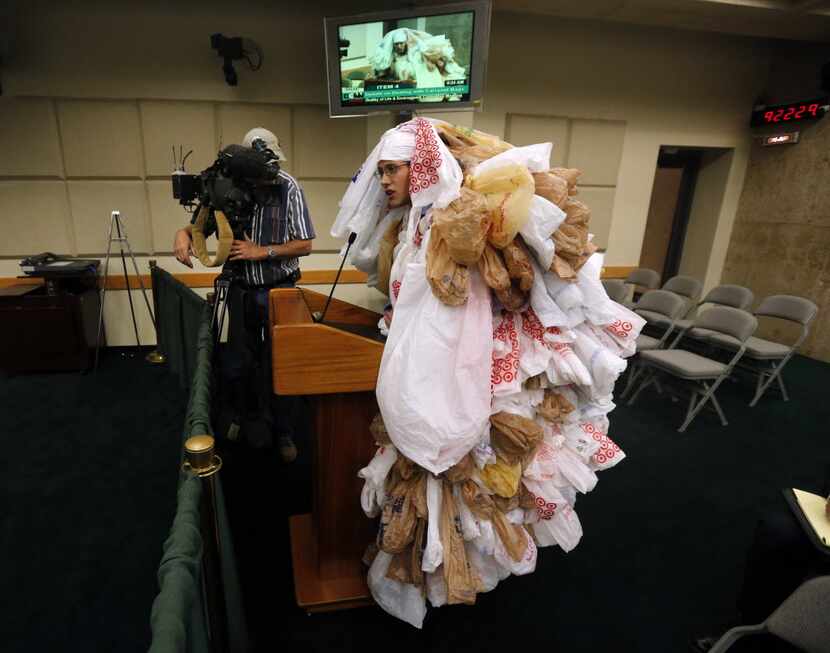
column 89, row 473
column 661, row 561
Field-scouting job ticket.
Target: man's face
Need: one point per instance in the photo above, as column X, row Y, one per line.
column 400, row 48
column 394, row 178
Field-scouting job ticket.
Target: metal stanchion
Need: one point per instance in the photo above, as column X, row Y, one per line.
column 202, row 461
column 155, row 357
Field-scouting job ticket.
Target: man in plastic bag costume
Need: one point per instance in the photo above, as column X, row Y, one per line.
column 498, row 370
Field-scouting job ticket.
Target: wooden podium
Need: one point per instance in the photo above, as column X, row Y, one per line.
column 336, row 365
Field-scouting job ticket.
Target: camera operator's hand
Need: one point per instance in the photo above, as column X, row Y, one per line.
column 247, row 250
column 183, row 247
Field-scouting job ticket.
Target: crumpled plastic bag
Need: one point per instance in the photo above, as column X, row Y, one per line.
column 398, row 517
column 366, row 248
column 401, row 600
column 434, row 381
column 464, row 224
column 433, row 551
column 513, row 436
column 470, row 528
column 518, row 263
column 460, row 578
column 469, row 146
column 373, row 495
column 502, row 477
column 488, row 571
column 605, row 367
column 508, row 190
column 534, row 158
column 566, row 367
column 504, row 374
column 569, row 175
column 554, row 407
column 492, row 268
column 558, row 523
column 385, row 256
column 515, row 549
column 551, row 187
column 450, row 281
column 544, row 218
column 513, row 298
column 378, row 431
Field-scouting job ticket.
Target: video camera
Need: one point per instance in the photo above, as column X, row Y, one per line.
column 228, row 185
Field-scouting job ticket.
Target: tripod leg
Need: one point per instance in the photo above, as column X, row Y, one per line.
column 103, row 296
column 127, row 279
column 140, row 281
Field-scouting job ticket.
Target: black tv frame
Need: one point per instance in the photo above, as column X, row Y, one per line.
column 481, row 9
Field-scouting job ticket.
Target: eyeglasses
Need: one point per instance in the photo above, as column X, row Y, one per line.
column 389, row 170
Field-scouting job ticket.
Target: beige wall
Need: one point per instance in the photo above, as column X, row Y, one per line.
column 87, row 123
column 704, row 216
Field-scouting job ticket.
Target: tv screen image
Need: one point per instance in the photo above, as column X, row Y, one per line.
column 424, row 59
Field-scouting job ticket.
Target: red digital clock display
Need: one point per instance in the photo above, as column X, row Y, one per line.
column 789, row 113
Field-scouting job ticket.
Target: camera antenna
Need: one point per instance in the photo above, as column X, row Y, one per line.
column 175, row 167
column 185, row 158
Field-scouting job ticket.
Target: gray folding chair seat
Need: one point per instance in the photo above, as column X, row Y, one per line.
column 660, row 304
column 723, row 295
column 766, row 358
column 615, row 289
column 646, row 343
column 702, row 375
column 644, row 278
column 684, row 364
column 755, row 347
column 801, row 620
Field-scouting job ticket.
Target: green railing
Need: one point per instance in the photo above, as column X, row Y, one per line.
column 198, row 608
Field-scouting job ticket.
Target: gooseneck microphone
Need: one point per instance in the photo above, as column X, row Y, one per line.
column 352, row 238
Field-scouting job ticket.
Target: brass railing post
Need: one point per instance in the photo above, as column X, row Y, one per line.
column 202, row 461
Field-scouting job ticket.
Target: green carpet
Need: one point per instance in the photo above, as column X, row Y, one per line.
column 89, row 473
column 661, row 561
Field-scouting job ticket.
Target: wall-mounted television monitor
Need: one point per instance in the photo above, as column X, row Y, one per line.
column 433, row 57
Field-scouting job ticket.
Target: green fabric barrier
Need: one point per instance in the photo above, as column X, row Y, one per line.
column 177, row 617
column 179, row 312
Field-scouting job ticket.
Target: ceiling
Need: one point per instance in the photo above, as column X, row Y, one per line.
column 803, row 20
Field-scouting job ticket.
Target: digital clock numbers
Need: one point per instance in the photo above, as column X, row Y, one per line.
column 790, row 113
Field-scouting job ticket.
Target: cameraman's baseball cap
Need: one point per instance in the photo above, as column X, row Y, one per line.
column 270, row 139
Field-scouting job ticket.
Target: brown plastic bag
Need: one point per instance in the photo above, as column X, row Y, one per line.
column 551, row 187
column 517, row 261
column 562, row 269
column 509, row 191
column 458, row 573
column 418, row 553
column 511, row 535
column 512, row 297
column 480, row 504
column 470, row 146
column 492, row 268
column 400, row 566
column 387, row 248
column 462, row 470
column 570, row 175
column 506, row 505
column 554, row 407
column 463, row 225
column 378, row 430
column 450, row 282
column 398, row 518
column 514, row 436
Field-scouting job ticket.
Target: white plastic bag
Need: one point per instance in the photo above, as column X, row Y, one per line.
column 547, row 310
column 486, row 542
column 487, row 569
column 536, row 158
column 469, row 526
column 436, row 588
column 604, row 366
column 434, row 550
column 434, row 382
column 401, row 600
column 544, row 217
column 374, row 491
column 558, row 523
column 527, row 565
column 364, row 252
column 504, row 373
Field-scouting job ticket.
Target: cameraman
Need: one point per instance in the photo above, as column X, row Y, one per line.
column 267, row 257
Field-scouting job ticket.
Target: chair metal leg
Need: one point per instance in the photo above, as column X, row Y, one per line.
column 645, row 383
column 734, row 634
column 710, row 391
column 719, row 411
column 774, row 374
column 633, row 375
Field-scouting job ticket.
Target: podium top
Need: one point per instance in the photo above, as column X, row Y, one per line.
column 311, row 358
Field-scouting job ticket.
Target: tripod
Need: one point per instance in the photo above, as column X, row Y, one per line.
column 120, row 238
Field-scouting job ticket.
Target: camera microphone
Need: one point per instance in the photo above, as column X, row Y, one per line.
column 352, row 238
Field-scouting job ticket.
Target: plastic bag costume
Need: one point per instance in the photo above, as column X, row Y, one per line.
column 498, row 372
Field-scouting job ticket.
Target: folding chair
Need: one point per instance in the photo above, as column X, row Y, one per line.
column 661, row 303
column 687, row 287
column 765, row 357
column 801, row 620
column 724, row 295
column 615, row 289
column 643, row 277
column 702, row 375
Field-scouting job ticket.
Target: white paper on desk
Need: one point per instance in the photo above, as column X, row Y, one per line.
column 812, row 505
column 57, row 264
